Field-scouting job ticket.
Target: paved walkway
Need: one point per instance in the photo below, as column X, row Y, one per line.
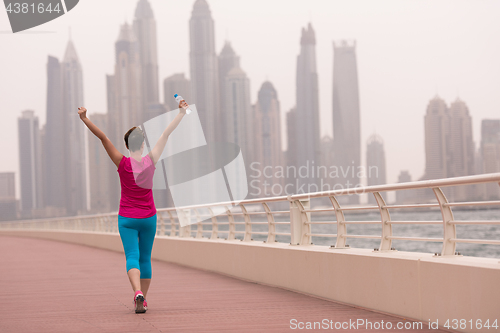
column 49, row 286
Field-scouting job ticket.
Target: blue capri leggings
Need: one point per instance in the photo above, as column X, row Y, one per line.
column 137, row 237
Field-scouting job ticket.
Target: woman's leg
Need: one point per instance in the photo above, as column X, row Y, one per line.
column 134, row 276
column 129, row 237
column 146, row 239
column 145, row 286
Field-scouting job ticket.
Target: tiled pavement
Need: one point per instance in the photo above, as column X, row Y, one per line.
column 50, row 286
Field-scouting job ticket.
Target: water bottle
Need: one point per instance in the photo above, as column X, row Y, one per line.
column 179, row 98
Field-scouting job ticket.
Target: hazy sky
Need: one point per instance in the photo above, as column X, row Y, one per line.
column 407, row 52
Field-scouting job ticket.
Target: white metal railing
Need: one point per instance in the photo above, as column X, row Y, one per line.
column 209, row 225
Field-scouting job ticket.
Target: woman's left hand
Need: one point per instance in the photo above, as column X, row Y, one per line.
column 183, row 106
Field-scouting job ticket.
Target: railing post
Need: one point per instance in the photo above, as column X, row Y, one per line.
column 248, row 225
column 300, row 230
column 215, row 225
column 185, row 216
column 449, row 230
column 341, row 226
column 271, row 234
column 199, row 229
column 231, row 234
column 162, row 224
column 385, row 243
column 108, row 218
column 173, row 227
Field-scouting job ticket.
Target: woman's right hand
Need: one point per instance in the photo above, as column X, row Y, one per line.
column 82, row 112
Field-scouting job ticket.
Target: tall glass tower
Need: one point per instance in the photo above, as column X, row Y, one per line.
column 145, row 32
column 203, row 64
column 75, row 137
column 307, row 149
column 346, row 116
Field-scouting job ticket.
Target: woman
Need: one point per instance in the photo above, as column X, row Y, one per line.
column 137, row 214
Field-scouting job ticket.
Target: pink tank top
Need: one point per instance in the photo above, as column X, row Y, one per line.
column 136, row 180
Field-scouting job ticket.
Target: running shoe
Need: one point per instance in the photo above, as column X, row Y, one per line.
column 139, row 302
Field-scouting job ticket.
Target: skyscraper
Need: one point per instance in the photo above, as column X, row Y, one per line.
column 461, row 141
column 267, row 134
column 490, row 151
column 327, row 151
column 75, row 137
column 8, row 202
column 176, row 84
column 29, row 163
column 461, row 150
column 227, row 60
column 437, row 140
column 7, row 185
column 346, row 115
column 125, row 106
column 290, row 155
column 127, row 109
column 239, row 119
column 375, row 164
column 65, row 157
column 145, row 32
column 55, row 134
column 203, row 64
column 449, row 149
column 307, row 149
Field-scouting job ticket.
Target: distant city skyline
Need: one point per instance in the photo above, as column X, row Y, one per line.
column 364, row 57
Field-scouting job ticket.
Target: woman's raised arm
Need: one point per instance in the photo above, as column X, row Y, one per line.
column 162, row 141
column 113, row 153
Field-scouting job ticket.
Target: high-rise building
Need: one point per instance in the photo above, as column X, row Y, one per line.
column 490, row 152
column 239, row 119
column 204, row 73
column 437, row 140
column 7, row 185
column 449, row 148
column 55, row 139
column 307, row 149
column 30, row 163
column 125, row 85
column 145, row 32
column 226, row 61
column 99, row 166
column 176, row 84
column 375, row 164
column 75, row 134
column 125, row 106
column 461, row 141
column 64, row 159
column 290, row 156
column 327, row 160
column 267, row 136
column 346, row 115
column 461, row 149
column 437, row 144
column 8, row 202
